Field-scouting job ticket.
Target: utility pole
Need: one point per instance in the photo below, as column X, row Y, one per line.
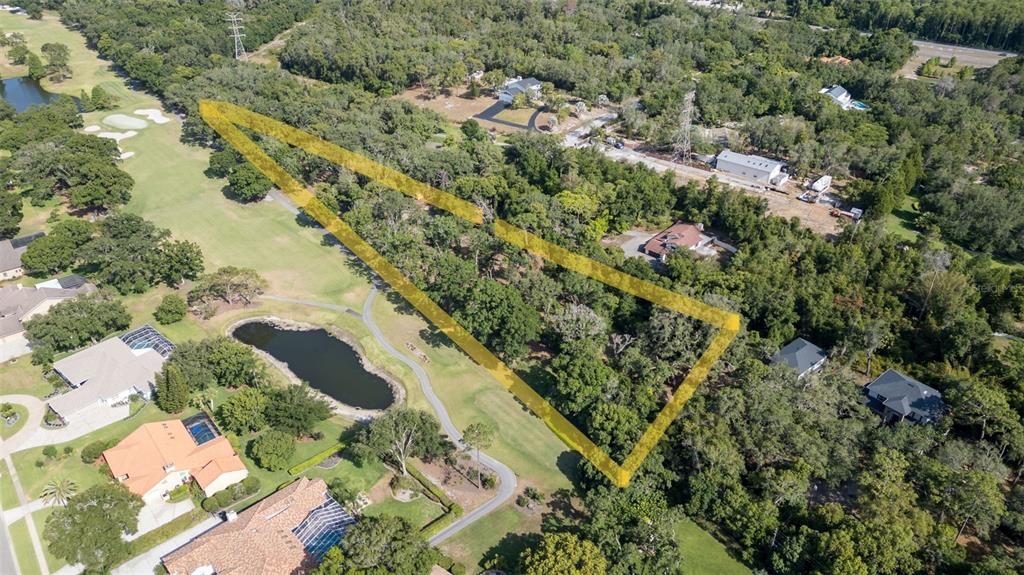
column 682, row 140
column 235, row 25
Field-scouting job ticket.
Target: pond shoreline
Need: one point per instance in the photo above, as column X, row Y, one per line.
column 337, row 406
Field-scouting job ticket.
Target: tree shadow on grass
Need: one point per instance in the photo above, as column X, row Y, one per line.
column 505, row 553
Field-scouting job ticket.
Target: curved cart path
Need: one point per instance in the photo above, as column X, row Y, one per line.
column 506, row 477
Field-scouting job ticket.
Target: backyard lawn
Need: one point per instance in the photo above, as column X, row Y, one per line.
column 26, row 556
column 702, row 553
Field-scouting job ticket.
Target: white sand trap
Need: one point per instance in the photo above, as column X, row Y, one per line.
column 126, row 155
column 123, row 122
column 153, row 115
column 117, row 136
column 92, row 129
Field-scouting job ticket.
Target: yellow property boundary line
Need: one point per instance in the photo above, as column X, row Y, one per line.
column 226, row 118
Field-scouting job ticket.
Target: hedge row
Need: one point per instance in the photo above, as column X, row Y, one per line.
column 439, row 495
column 297, row 469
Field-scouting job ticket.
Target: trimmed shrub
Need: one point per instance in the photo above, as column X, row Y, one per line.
column 93, row 451
column 171, row 309
column 315, row 459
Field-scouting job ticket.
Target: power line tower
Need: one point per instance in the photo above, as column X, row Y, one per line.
column 682, row 140
column 235, row 25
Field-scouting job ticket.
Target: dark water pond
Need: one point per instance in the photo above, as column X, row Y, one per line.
column 24, row 92
column 322, row 360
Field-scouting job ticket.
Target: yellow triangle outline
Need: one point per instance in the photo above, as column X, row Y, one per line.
column 225, row 118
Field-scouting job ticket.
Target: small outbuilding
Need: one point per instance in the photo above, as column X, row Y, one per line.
column 757, row 168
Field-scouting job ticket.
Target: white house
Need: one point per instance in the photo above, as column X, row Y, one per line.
column 519, row 85
column 111, row 371
column 757, row 168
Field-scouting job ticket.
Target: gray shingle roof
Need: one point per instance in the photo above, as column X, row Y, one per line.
column 800, row 355
column 906, row 396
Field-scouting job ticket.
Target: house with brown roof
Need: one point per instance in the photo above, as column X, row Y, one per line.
column 675, row 237
column 19, row 303
column 284, row 534
column 157, row 457
column 10, row 256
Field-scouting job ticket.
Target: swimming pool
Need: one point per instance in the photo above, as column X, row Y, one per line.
column 858, row 105
column 200, row 428
column 324, row 527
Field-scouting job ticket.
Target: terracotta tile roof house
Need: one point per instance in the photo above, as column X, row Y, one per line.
column 157, row 457
column 10, row 255
column 19, row 304
column 676, row 236
column 284, row 534
column 111, row 371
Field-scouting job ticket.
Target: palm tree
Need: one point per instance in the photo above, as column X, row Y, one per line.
column 59, row 491
column 202, row 400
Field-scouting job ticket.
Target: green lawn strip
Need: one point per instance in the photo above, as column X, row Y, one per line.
column 703, row 554
column 9, row 430
column 23, row 378
column 40, row 517
column 316, row 458
column 151, row 539
column 8, row 496
column 26, row 555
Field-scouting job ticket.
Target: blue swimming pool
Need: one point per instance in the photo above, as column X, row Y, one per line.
column 200, row 428
column 858, row 105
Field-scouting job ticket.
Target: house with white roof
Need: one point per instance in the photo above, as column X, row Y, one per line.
column 519, row 85
column 757, row 168
column 111, row 371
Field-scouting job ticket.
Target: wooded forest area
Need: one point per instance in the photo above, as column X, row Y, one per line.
column 797, row 476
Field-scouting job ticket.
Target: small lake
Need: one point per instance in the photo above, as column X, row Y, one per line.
column 324, row 361
column 24, row 92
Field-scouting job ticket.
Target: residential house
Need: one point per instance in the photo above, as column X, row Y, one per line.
column 19, row 303
column 111, row 371
column 802, row 356
column 10, row 256
column 157, row 457
column 757, row 168
column 898, row 397
column 843, row 98
column 678, row 236
column 518, row 85
column 287, row 532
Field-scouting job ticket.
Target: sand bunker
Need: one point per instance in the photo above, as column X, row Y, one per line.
column 153, row 115
column 126, row 155
column 123, row 122
column 91, row 129
column 117, row 136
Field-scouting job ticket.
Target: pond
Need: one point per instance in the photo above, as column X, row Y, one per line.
column 324, row 361
column 24, row 92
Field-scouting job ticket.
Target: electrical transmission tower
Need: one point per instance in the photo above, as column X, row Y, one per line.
column 682, row 141
column 235, row 25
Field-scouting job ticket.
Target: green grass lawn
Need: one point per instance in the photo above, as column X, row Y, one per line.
column 88, row 70
column 27, row 563
column 22, row 378
column 39, row 518
column 8, row 497
column 9, row 430
column 418, row 512
column 702, row 553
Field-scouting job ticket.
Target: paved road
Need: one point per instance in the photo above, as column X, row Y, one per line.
column 507, row 481
column 507, row 478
